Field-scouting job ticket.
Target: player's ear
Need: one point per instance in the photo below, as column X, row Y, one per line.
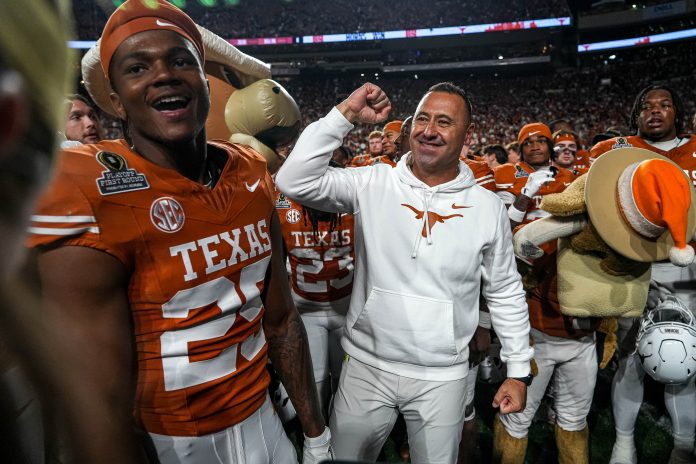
column 118, row 106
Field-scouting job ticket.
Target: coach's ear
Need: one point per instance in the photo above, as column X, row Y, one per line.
column 14, row 112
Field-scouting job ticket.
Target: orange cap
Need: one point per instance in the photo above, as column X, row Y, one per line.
column 535, row 128
column 564, row 136
column 136, row 16
column 393, row 126
column 654, row 196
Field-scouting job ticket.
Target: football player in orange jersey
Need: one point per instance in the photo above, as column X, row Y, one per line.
column 391, row 144
column 581, row 156
column 82, row 124
column 657, row 118
column 522, row 185
column 174, row 297
column 565, row 149
column 319, row 246
column 374, row 149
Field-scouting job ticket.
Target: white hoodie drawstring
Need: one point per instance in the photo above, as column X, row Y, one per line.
column 424, row 223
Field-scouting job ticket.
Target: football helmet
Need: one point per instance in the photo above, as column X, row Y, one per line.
column 492, row 369
column 666, row 342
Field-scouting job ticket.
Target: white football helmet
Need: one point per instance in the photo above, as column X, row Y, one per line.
column 666, row 342
column 492, row 369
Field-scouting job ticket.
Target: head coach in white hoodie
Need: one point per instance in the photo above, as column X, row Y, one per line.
column 428, row 241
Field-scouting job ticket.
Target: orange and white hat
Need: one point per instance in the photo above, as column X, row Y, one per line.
column 565, row 136
column 393, row 126
column 222, row 60
column 136, row 16
column 534, row 128
column 642, row 205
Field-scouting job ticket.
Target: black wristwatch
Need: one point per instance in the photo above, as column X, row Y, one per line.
column 527, row 380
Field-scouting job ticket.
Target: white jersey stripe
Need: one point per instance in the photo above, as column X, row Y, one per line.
column 54, row 231
column 36, row 218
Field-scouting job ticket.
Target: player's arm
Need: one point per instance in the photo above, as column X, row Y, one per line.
column 535, row 181
column 85, row 301
column 287, row 340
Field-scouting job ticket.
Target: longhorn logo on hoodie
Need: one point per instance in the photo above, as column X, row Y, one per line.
column 433, row 218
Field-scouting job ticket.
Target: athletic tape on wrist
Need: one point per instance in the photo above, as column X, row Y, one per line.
column 515, row 214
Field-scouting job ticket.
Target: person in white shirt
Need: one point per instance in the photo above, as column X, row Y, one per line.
column 428, row 240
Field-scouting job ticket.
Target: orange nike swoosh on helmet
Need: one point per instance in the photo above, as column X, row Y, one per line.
column 459, row 207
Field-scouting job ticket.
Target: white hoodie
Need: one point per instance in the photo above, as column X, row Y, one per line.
column 422, row 256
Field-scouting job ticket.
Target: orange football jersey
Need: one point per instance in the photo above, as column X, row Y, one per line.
column 482, row 173
column 513, row 177
column 321, row 264
column 582, row 160
column 384, row 159
column 197, row 259
column 360, row 160
column 684, row 155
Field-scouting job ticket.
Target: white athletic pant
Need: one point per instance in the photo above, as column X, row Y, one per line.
column 259, row 439
column 627, row 387
column 367, row 404
column 573, row 366
column 470, row 412
column 324, row 336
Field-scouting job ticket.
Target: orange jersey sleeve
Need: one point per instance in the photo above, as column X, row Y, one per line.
column 197, row 259
column 321, row 263
column 360, row 160
column 384, row 159
column 482, row 173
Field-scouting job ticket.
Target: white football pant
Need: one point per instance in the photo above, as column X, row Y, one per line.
column 573, row 366
column 258, row 439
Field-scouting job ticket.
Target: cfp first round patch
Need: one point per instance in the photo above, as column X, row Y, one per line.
column 167, row 215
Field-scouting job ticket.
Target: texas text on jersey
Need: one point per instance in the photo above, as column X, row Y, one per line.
column 321, row 261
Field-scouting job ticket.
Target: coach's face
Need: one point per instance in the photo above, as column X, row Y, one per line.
column 441, row 126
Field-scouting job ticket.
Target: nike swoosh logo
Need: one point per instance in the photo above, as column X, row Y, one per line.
column 165, row 24
column 253, row 186
column 459, row 207
column 533, row 133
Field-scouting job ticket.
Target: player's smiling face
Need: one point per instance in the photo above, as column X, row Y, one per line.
column 160, row 87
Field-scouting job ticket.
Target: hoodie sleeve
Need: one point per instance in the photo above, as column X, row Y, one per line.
column 502, row 288
column 306, row 176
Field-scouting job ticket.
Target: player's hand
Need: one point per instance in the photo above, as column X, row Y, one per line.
column 318, row 449
column 511, row 396
column 368, row 104
column 536, row 180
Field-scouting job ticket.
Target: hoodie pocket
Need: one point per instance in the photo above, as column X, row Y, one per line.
column 406, row 328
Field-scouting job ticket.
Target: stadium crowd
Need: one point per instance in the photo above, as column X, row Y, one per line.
column 279, row 18
column 595, row 97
